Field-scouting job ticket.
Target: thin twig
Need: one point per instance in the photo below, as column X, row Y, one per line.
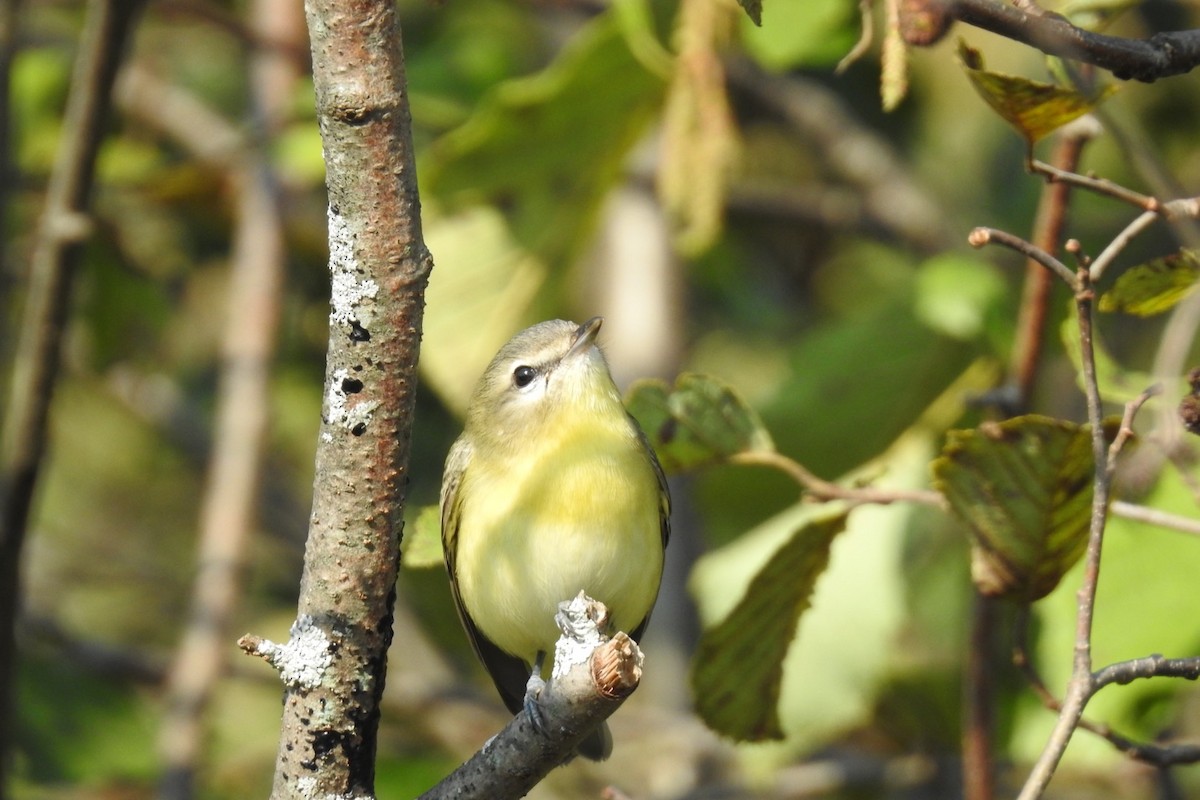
column 1126, row 432
column 1097, row 185
column 1047, row 234
column 1151, row 666
column 982, row 235
column 1079, row 687
column 1120, row 242
column 821, row 489
column 1154, row 516
column 1161, row 755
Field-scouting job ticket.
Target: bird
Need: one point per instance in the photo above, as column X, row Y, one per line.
column 551, row 489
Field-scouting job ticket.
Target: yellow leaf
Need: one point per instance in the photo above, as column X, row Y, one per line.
column 1034, row 109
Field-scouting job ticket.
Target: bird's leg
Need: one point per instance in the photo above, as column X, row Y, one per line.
column 533, row 689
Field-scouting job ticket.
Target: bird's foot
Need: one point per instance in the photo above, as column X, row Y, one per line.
column 533, row 690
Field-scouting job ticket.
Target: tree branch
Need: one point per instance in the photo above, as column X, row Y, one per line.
column 62, row 230
column 379, row 268
column 1048, row 227
column 592, row 677
column 1160, row 754
column 1147, row 60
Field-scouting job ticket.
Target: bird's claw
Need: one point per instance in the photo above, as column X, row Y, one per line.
column 533, row 709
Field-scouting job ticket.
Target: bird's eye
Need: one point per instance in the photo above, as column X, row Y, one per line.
column 523, row 376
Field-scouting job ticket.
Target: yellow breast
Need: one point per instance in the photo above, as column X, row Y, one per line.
column 580, row 513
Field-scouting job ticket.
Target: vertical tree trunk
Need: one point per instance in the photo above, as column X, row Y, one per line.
column 334, row 665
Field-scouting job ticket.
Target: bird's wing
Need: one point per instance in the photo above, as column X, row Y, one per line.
column 664, row 509
column 508, row 672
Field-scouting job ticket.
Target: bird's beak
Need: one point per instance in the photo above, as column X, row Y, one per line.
column 585, row 337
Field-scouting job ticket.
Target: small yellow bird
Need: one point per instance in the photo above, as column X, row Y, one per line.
column 551, row 489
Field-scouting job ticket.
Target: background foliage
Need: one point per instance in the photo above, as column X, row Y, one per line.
column 775, row 229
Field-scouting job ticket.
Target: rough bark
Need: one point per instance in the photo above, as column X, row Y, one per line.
column 334, row 666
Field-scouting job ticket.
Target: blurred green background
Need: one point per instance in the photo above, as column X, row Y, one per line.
column 788, row 237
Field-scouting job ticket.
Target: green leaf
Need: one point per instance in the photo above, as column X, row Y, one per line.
column 1156, row 286
column 1024, row 489
column 738, row 667
column 548, row 147
column 485, row 284
column 753, row 9
column 812, row 33
column 1034, row 109
column 699, row 422
column 422, row 547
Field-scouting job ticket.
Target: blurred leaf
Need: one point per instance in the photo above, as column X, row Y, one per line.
column 956, row 294
column 478, row 296
column 1094, row 15
column 701, row 421
column 637, row 21
column 893, row 78
column 548, row 147
column 753, row 9
column 738, row 666
column 422, row 546
column 1024, row 489
column 39, row 79
column 1154, row 287
column 809, row 34
column 699, row 136
column 74, row 726
column 1034, row 109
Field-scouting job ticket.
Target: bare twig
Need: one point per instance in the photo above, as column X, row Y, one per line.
column 1100, row 186
column 1047, row 235
column 1126, row 432
column 981, row 236
column 820, row 489
column 1160, row 56
column 1153, row 516
column 1160, row 754
column 1079, row 687
column 62, row 230
column 1120, row 242
column 1152, row 666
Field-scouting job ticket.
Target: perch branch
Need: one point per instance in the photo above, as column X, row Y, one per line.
column 592, row 677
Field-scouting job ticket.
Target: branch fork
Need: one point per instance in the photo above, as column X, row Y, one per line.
column 592, row 676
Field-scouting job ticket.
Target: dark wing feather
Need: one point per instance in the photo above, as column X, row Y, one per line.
column 664, row 510
column 508, row 672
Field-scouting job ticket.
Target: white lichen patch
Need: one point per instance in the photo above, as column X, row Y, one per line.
column 306, row 788
column 582, row 621
column 338, row 410
column 308, row 653
column 347, row 291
